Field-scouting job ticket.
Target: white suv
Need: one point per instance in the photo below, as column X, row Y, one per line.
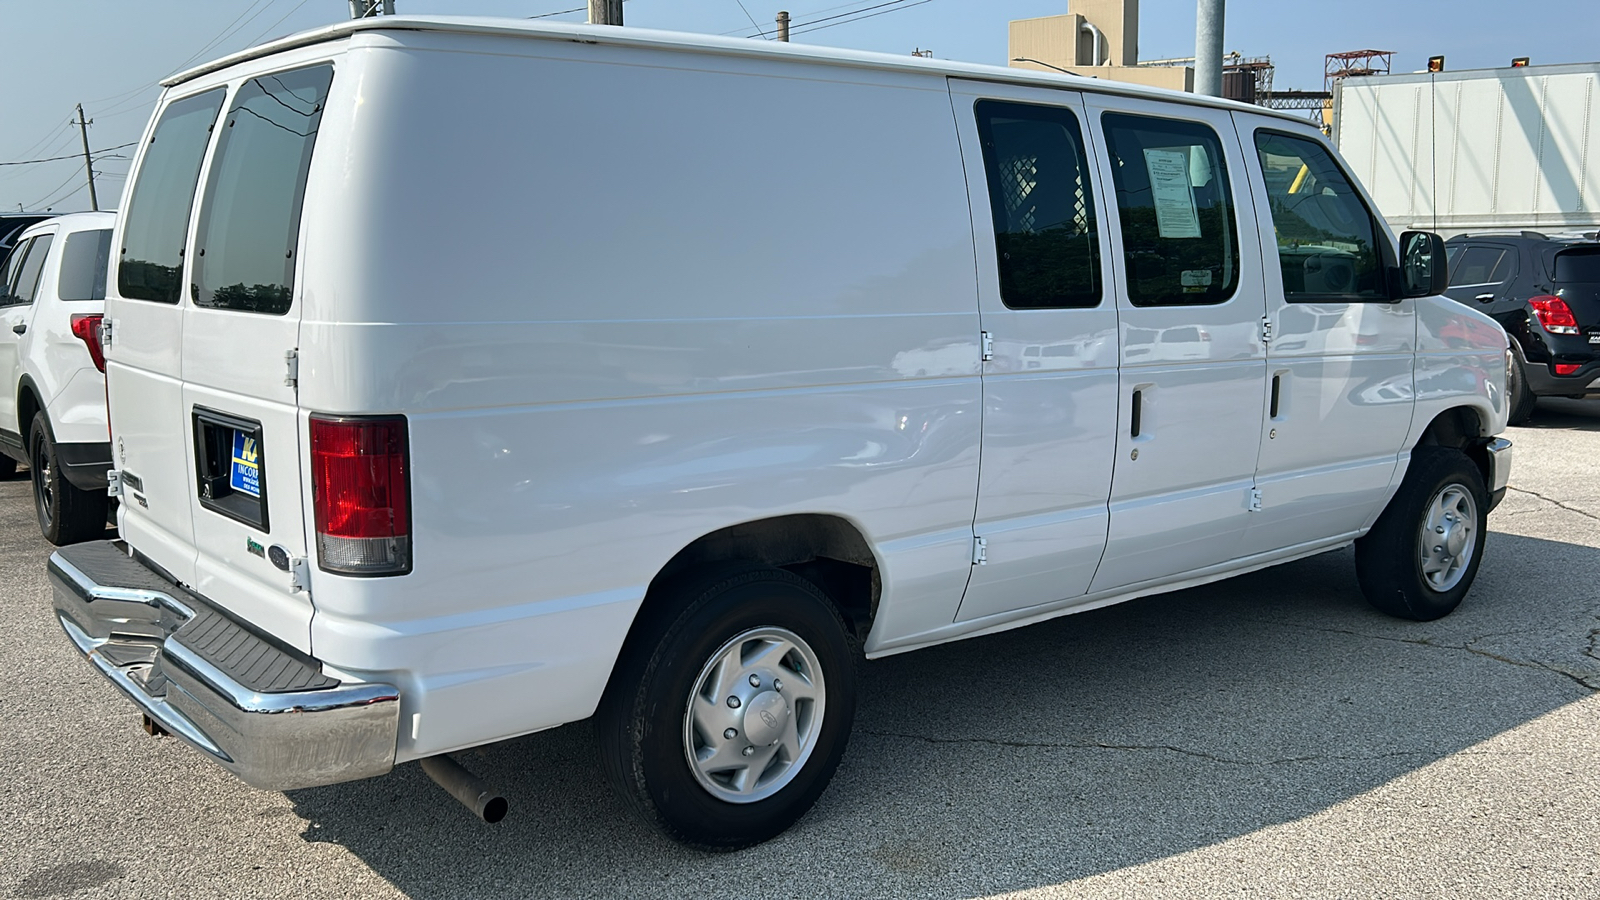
column 53, row 410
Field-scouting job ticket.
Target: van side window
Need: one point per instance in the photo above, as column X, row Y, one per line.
column 28, row 274
column 1179, row 235
column 84, row 258
column 250, row 217
column 1039, row 193
column 1327, row 242
column 157, row 222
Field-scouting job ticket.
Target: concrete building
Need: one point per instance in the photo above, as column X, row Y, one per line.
column 1096, row 39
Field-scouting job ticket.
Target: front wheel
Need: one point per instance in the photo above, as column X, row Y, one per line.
column 1518, row 395
column 1422, row 554
column 731, row 707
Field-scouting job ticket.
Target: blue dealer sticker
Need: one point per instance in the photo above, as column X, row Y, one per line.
column 245, row 474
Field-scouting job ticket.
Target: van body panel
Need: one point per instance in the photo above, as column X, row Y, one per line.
column 1050, row 391
column 1180, row 496
column 633, row 374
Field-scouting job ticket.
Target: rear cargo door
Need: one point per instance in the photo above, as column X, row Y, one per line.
column 144, row 311
column 240, row 338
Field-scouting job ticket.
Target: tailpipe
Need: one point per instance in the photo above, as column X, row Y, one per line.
column 473, row 793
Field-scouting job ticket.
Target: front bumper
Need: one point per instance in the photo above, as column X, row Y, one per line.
column 1499, row 453
column 262, row 710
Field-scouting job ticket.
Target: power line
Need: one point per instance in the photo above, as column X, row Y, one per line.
column 759, row 30
column 252, row 41
column 899, row 5
column 25, row 162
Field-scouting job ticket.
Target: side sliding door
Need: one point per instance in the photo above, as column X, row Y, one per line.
column 1050, row 374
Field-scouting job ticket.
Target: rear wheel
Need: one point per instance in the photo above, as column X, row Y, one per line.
column 1422, row 554
column 66, row 513
column 731, row 707
column 1518, row 394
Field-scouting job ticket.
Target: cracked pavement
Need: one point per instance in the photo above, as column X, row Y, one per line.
column 1267, row 736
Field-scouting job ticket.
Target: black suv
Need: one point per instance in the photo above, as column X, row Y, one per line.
column 1545, row 292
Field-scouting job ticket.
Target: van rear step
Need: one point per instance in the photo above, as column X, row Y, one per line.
column 216, row 683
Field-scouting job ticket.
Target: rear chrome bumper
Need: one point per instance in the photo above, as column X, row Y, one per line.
column 263, row 711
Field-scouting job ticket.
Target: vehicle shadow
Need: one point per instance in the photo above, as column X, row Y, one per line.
column 1046, row 754
column 1565, row 414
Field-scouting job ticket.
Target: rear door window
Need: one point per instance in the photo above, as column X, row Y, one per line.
column 1480, row 265
column 84, row 259
column 1043, row 206
column 8, row 280
column 1179, row 235
column 250, row 217
column 1326, row 237
column 151, row 262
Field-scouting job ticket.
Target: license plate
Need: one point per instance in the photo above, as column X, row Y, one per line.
column 244, row 474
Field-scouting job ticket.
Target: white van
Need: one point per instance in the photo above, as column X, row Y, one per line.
column 471, row 377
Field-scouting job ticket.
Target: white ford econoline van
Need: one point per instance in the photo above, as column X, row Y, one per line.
column 470, row 377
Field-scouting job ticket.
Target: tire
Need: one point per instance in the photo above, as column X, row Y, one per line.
column 1518, row 394
column 1442, row 498
column 647, row 734
column 67, row 514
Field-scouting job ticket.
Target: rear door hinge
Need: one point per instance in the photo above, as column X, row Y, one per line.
column 980, row 551
column 300, row 574
column 988, row 346
column 1266, row 329
column 1255, row 500
column 114, row 483
column 105, row 333
column 291, row 364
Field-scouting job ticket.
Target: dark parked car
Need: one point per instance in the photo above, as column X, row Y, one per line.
column 1545, row 292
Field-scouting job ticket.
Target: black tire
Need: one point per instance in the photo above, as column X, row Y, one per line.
column 642, row 720
column 1518, row 394
column 67, row 514
column 1389, row 563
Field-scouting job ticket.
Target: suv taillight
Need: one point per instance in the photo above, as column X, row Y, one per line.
column 360, row 493
column 1554, row 314
column 86, row 327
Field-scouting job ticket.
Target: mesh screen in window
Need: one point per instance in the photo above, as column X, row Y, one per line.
column 1179, row 236
column 1043, row 207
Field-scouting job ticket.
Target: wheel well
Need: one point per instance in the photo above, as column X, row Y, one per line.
column 27, row 407
column 826, row 550
column 1461, row 428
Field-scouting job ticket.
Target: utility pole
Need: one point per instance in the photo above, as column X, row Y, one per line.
column 605, row 12
column 783, row 25
column 366, row 9
column 88, row 163
column 1208, row 48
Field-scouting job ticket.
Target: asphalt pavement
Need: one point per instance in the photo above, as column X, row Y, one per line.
column 1267, row 736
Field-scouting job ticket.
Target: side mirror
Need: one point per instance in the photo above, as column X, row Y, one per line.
column 1424, row 270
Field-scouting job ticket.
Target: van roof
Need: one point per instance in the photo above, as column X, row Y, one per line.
column 701, row 43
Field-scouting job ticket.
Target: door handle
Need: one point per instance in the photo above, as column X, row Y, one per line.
column 1277, row 389
column 1137, row 414
column 19, row 328
column 1484, row 298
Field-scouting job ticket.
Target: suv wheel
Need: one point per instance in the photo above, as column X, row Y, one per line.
column 66, row 513
column 731, row 706
column 1422, row 554
column 1518, row 394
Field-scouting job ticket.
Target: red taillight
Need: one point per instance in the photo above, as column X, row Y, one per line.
column 86, row 326
column 1567, row 368
column 360, row 492
column 1554, row 314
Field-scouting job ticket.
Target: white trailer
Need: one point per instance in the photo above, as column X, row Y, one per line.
column 1482, row 149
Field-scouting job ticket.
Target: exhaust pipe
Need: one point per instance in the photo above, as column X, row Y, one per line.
column 466, row 787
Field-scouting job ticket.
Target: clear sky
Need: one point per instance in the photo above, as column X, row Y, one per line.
column 109, row 54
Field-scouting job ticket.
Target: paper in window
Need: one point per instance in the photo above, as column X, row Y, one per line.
column 1172, row 193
